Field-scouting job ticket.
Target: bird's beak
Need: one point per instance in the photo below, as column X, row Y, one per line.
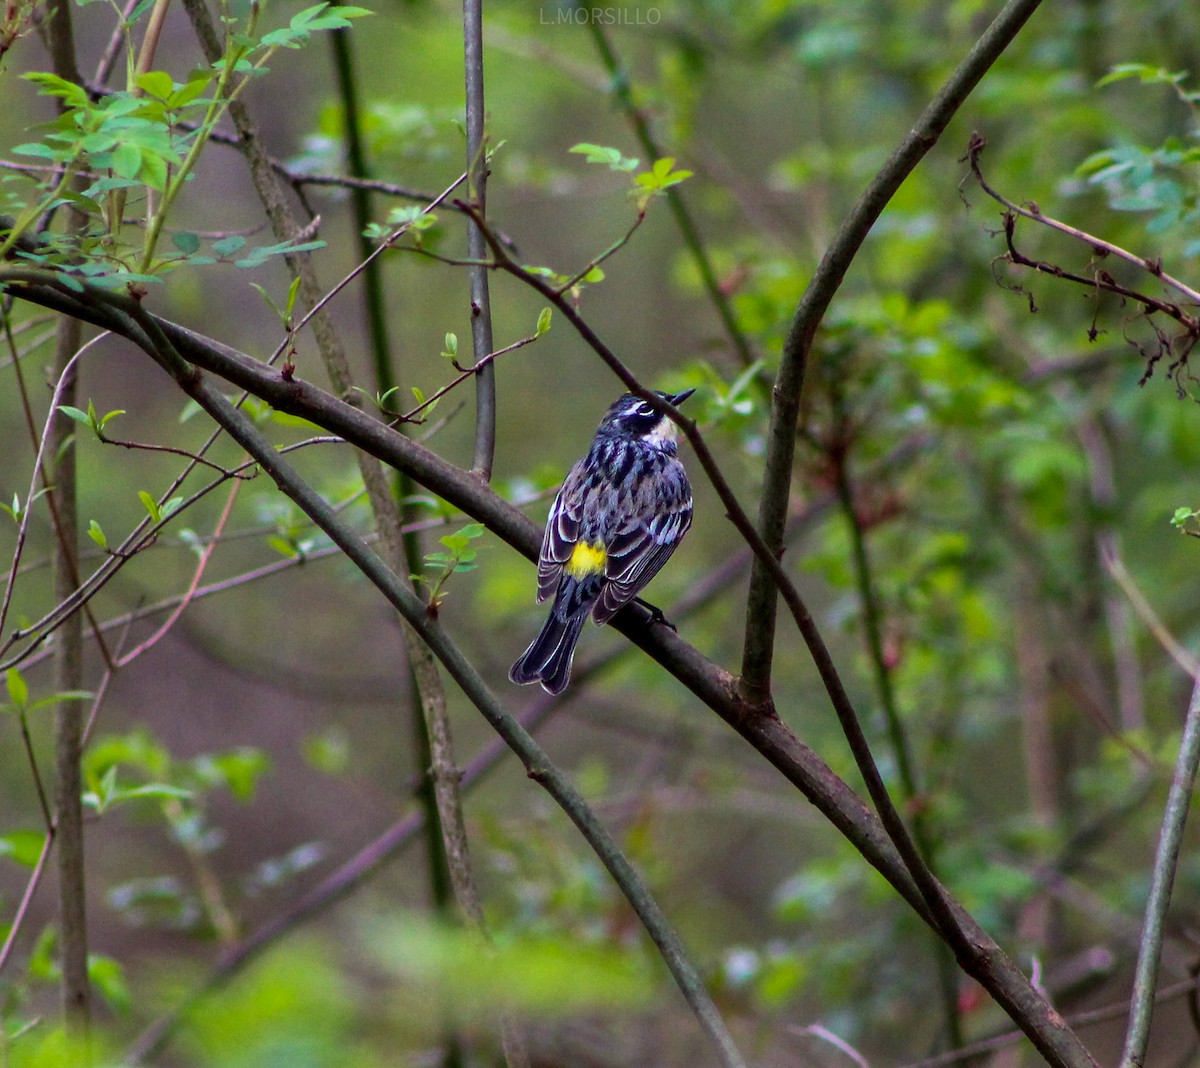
column 679, row 398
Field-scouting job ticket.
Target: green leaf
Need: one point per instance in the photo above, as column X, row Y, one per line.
column 150, row 504
column 328, row 752
column 237, row 770
column 18, row 689
column 186, row 242
column 543, row 322
column 126, row 160
column 23, row 847
column 197, row 82
column 108, row 977
column 77, row 414
column 1145, row 73
column 290, row 306
column 227, row 246
column 153, row 171
column 156, row 83
column 72, row 95
column 451, row 349
column 36, row 148
column 609, row 157
column 259, row 256
column 97, row 534
column 282, row 546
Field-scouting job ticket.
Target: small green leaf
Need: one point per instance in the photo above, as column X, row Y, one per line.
column 543, row 322
column 610, row 157
column 18, row 689
column 150, row 504
column 97, row 534
column 156, row 83
column 108, row 977
column 77, row 414
column 328, row 752
column 227, row 246
column 186, row 242
column 23, row 847
column 290, row 306
column 282, row 546
column 126, row 160
column 451, row 349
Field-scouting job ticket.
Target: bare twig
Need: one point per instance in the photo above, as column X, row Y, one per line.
column 1097, row 244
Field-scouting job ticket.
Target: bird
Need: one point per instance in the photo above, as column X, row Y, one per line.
column 620, row 513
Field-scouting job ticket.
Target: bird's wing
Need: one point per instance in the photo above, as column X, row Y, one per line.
column 562, row 532
column 638, row 549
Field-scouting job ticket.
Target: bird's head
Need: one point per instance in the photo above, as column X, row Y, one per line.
column 632, row 416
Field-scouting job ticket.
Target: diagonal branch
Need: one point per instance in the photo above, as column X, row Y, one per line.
column 758, row 647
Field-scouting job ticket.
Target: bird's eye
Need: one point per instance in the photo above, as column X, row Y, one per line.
column 644, row 411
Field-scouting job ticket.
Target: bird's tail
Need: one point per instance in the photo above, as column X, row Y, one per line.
column 548, row 658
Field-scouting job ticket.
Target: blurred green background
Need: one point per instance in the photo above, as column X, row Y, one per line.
column 995, row 452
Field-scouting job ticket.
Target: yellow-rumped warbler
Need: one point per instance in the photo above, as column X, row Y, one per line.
column 617, row 518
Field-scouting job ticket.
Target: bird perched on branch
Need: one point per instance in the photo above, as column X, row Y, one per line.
column 617, row 518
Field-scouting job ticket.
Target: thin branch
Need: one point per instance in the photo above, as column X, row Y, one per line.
column 318, row 306
column 190, row 593
column 1166, row 859
column 41, row 471
column 1115, row 565
column 18, row 920
column 758, row 645
column 1097, row 244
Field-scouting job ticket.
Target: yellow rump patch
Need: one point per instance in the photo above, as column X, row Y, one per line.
column 586, row 560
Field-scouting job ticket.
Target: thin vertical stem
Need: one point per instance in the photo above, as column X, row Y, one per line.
column 68, row 655
column 68, row 719
column 481, row 308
